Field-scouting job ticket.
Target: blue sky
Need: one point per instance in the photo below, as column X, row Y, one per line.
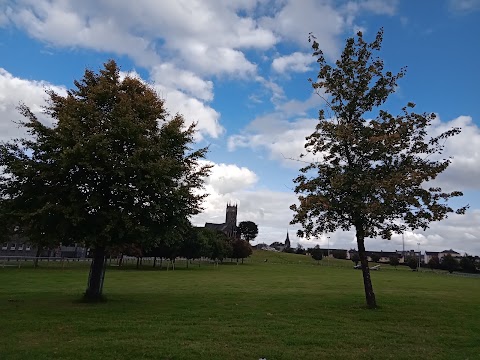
column 240, row 69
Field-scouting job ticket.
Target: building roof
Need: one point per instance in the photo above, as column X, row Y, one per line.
column 450, row 252
column 382, row 253
column 213, row 226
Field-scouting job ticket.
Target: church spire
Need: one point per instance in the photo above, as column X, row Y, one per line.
column 287, row 242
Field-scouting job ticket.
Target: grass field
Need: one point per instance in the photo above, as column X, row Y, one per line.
column 286, row 308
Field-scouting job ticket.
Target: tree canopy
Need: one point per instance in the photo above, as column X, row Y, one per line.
column 372, row 172
column 248, row 230
column 114, row 169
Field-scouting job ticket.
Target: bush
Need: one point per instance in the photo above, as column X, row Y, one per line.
column 394, row 261
column 467, row 264
column 300, row 250
column 412, row 262
column 375, row 257
column 449, row 263
column 434, row 263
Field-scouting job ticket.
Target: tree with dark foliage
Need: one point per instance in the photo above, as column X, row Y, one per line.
column 248, row 230
column 449, row 263
column 434, row 263
column 371, row 171
column 241, row 249
column 467, row 264
column 114, row 169
column 375, row 258
column 412, row 262
column 316, row 253
column 394, row 260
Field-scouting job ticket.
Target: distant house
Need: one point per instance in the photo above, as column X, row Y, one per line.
column 229, row 227
column 22, row 248
column 441, row 254
column 384, row 256
column 277, row 246
column 17, row 247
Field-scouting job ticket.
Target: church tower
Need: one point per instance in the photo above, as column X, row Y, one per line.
column 231, row 216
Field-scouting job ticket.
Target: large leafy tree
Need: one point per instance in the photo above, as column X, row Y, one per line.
column 248, row 230
column 372, row 171
column 241, row 249
column 114, row 169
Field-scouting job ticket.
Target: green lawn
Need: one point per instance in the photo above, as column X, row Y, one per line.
column 286, row 308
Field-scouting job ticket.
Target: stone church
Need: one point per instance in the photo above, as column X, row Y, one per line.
column 229, row 227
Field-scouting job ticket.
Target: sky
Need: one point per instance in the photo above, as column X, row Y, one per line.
column 240, row 70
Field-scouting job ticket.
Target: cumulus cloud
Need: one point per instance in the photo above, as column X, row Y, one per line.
column 201, row 33
column 284, row 141
column 295, row 62
column 169, row 75
column 293, row 23
column 193, row 110
column 14, row 91
column 464, row 150
column 227, row 178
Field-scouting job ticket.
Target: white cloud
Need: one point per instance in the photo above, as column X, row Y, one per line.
column 193, row 110
column 14, row 91
column 296, row 62
column 464, row 148
column 202, row 33
column 170, row 76
column 61, row 24
column 284, row 141
column 227, row 178
column 464, row 5
column 294, row 23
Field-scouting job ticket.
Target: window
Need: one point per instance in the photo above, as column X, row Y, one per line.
column 12, row 247
column 27, row 247
column 20, row 247
column 4, row 246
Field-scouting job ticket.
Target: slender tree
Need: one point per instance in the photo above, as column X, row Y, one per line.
column 371, row 172
column 114, row 168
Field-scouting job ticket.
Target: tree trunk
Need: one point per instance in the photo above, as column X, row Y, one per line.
column 37, row 255
column 96, row 276
column 138, row 262
column 187, row 263
column 154, row 261
column 367, row 281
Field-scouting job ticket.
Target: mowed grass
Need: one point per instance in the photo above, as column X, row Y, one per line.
column 286, row 308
